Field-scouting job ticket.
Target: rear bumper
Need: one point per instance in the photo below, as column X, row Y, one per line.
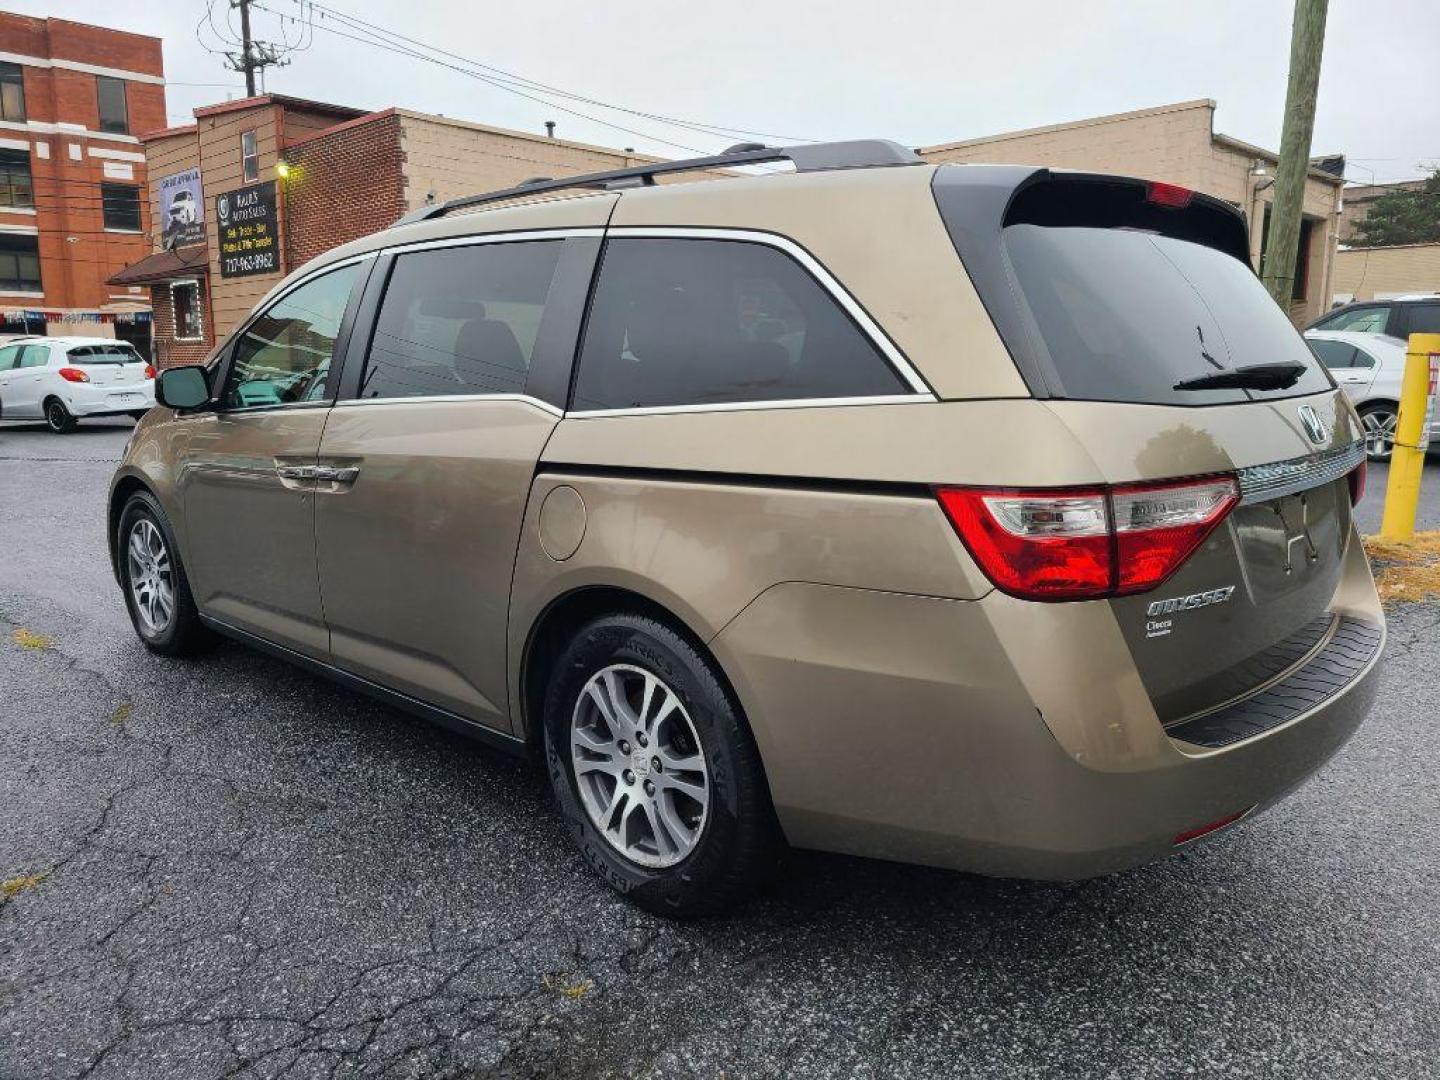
column 989, row 737
column 83, row 400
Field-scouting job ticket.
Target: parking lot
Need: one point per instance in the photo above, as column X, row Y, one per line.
column 226, row 867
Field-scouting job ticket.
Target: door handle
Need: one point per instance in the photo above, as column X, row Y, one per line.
column 335, row 474
column 296, row 472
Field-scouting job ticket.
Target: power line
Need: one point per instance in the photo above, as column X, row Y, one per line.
column 498, row 84
column 704, row 128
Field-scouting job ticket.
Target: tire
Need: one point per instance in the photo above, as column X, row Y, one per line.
column 58, row 418
column 1377, row 419
column 180, row 632
column 735, row 840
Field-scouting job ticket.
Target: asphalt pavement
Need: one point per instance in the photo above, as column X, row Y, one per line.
column 226, row 867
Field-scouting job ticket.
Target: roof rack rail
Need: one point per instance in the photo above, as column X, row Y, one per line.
column 810, row 157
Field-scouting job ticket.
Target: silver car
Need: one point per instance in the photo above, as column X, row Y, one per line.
column 1369, row 368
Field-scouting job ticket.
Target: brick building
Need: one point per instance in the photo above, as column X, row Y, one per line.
column 1178, row 144
column 73, row 98
column 331, row 174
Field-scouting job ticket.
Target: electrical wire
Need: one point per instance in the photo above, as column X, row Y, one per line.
column 719, row 130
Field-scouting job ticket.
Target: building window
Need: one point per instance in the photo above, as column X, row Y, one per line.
column 114, row 116
column 249, row 157
column 12, row 92
column 19, row 264
column 120, row 204
column 185, row 300
column 16, row 190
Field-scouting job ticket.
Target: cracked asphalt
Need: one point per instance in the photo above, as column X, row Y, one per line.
column 226, row 867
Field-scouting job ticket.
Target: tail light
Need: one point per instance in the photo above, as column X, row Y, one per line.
column 73, row 374
column 1357, row 481
column 1083, row 543
column 149, row 371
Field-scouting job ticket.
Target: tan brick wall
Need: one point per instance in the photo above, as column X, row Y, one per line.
column 1368, row 273
column 218, row 138
column 452, row 158
column 1175, row 144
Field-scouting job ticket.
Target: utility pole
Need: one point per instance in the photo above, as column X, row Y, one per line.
column 247, row 56
column 254, row 55
column 1307, row 40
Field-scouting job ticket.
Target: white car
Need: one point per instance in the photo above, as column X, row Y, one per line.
column 61, row 379
column 1369, row 368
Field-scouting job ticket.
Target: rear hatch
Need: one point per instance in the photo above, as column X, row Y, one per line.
column 110, row 366
column 1132, row 311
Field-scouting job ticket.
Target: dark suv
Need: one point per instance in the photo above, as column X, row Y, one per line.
column 1398, row 317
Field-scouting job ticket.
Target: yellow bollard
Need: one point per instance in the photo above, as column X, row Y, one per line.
column 1407, row 461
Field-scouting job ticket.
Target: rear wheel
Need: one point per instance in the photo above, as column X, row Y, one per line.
column 656, row 770
column 157, row 593
column 58, row 418
column 1379, row 422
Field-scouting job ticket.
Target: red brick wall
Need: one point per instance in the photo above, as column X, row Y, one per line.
column 168, row 351
column 67, row 190
column 344, row 184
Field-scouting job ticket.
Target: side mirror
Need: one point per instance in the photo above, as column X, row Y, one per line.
column 182, row 388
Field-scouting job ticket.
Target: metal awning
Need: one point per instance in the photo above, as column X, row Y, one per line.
column 164, row 266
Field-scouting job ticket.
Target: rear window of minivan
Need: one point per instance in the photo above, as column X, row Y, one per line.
column 1120, row 302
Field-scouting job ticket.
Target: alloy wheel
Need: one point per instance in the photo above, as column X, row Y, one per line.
column 1379, row 427
column 151, row 584
column 639, row 766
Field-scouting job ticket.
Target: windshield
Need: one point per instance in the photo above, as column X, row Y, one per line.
column 104, row 354
column 1125, row 314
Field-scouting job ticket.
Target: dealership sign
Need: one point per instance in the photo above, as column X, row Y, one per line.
column 249, row 238
column 181, row 212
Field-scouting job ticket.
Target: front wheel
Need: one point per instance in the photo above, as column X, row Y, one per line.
column 1379, row 422
column 157, row 592
column 656, row 770
column 58, row 418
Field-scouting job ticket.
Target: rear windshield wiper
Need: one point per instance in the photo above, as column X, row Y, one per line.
column 1249, row 377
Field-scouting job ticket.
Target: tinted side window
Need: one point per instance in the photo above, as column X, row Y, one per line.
column 1334, row 354
column 1363, row 359
column 284, row 354
column 32, row 356
column 9, row 355
column 689, row 322
column 1425, row 319
column 460, row 320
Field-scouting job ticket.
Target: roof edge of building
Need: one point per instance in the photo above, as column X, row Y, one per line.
column 260, row 100
column 1071, row 125
column 1343, row 248
column 168, row 133
column 1271, row 156
column 344, row 125
column 474, row 125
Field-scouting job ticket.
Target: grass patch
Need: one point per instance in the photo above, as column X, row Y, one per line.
column 571, row 987
column 1406, row 571
column 17, row 885
column 28, row 639
column 122, row 713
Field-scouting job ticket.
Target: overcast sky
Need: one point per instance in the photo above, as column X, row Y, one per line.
column 920, row 73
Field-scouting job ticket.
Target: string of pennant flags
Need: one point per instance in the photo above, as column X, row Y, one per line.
column 31, row 315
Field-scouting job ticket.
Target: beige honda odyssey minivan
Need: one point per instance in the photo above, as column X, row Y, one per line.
column 989, row 517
